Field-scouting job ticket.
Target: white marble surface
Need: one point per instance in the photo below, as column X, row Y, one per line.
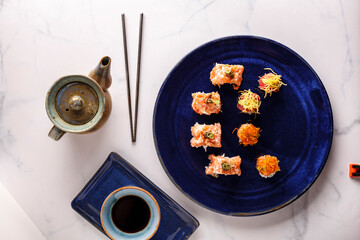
column 13, row 218
column 41, row 41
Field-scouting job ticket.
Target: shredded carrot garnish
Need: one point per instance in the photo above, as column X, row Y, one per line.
column 267, row 165
column 248, row 134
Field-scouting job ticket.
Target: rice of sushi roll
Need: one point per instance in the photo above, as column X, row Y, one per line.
column 206, row 135
column 225, row 73
column 267, row 166
column 248, row 134
column 206, row 103
column 223, row 165
column 270, row 82
column 249, row 102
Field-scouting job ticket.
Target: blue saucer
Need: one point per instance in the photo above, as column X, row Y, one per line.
column 176, row 222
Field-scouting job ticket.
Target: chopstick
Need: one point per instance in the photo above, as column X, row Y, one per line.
column 127, row 74
column 138, row 75
column 133, row 129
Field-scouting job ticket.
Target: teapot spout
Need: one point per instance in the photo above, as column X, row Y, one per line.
column 101, row 73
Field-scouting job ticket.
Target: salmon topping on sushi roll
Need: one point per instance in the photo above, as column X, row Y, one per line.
column 224, row 73
column 206, row 135
column 223, row 165
column 267, row 165
column 270, row 82
column 206, row 103
column 248, row 134
column 249, row 102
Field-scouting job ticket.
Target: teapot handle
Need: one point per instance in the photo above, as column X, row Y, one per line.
column 55, row 133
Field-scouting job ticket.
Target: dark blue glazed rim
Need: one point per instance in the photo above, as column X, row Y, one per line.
column 296, row 123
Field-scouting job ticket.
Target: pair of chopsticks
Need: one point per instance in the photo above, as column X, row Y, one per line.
column 133, row 127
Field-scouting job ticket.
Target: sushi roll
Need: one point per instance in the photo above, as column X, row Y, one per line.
column 270, row 82
column 248, row 134
column 224, row 73
column 206, row 103
column 223, row 165
column 206, row 135
column 267, row 166
column 249, row 102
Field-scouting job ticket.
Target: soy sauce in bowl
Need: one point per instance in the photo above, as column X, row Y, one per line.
column 130, row 214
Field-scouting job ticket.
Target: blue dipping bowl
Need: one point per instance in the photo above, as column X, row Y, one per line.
column 108, row 225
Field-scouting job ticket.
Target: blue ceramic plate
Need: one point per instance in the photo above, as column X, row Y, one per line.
column 175, row 224
column 296, row 123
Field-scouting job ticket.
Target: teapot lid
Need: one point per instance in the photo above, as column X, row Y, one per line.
column 75, row 103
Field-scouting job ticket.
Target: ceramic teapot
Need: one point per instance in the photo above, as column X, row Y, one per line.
column 80, row 104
